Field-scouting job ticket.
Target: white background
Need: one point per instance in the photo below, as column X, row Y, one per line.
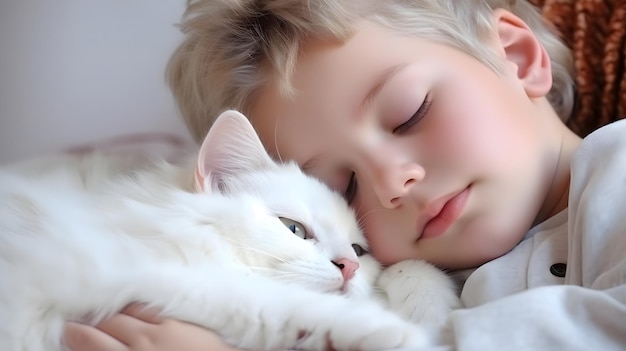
column 75, row 71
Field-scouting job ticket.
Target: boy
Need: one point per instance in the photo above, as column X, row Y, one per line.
column 439, row 122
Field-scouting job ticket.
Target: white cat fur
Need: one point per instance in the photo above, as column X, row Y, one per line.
column 81, row 237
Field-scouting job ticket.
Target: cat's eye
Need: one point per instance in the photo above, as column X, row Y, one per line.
column 417, row 116
column 359, row 250
column 295, row 227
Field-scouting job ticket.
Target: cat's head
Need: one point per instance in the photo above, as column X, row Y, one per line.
column 292, row 227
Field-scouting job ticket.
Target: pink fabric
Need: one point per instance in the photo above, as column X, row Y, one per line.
column 172, row 147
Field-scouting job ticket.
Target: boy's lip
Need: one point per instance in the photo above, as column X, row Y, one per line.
column 449, row 209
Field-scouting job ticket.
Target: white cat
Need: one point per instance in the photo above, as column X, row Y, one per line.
column 233, row 241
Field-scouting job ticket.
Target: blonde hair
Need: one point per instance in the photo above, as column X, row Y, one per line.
column 233, row 47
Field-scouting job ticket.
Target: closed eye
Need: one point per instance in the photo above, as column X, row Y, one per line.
column 350, row 191
column 417, row 116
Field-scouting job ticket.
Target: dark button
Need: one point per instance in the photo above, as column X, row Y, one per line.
column 558, row 269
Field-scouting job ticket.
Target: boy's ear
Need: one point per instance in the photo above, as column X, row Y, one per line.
column 231, row 148
column 520, row 47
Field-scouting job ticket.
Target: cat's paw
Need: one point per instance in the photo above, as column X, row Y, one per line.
column 419, row 291
column 376, row 329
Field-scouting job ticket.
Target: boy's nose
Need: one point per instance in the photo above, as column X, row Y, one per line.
column 395, row 181
column 391, row 171
column 347, row 267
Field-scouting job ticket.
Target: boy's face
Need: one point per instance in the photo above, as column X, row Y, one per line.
column 440, row 157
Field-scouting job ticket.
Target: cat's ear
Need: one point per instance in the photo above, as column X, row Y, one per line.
column 230, row 148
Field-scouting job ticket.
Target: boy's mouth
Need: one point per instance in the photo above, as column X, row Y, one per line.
column 448, row 214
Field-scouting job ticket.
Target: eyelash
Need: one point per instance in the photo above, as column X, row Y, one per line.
column 351, row 188
column 419, row 114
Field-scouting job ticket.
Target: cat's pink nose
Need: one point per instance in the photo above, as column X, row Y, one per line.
column 347, row 267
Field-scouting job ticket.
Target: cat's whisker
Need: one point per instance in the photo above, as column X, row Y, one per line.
column 247, row 247
column 279, row 259
column 277, row 274
column 283, row 273
column 287, row 277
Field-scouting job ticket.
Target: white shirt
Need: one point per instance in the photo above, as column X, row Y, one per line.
column 520, row 301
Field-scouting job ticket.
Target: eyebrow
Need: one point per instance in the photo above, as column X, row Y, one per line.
column 382, row 81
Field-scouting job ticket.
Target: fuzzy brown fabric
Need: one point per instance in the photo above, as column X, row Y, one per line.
column 595, row 30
